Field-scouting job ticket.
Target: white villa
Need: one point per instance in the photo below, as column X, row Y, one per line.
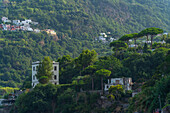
column 126, row 82
column 55, row 77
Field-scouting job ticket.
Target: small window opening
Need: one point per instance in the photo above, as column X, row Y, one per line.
column 55, row 77
column 55, row 68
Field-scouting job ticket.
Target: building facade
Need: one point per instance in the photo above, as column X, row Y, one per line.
column 55, row 76
column 126, row 82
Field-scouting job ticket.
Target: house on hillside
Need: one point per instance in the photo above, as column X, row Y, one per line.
column 34, row 23
column 16, row 22
column 1, row 26
column 102, row 38
column 8, row 27
column 5, row 19
column 126, row 82
column 148, row 42
column 29, row 29
column 55, row 77
column 112, row 39
column 36, row 30
column 132, row 45
column 4, row 27
column 49, row 31
column 26, row 23
column 23, row 28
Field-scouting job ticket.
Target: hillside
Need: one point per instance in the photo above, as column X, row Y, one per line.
column 76, row 22
column 86, row 18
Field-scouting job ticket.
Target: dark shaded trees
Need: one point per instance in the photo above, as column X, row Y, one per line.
column 102, row 73
column 118, row 46
column 42, row 99
column 148, row 99
column 85, row 59
column 126, row 38
column 91, row 71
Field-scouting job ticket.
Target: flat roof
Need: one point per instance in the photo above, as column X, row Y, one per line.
column 38, row 62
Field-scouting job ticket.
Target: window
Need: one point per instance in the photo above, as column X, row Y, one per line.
column 33, row 77
column 55, row 68
column 107, row 87
column 33, row 68
column 55, row 77
column 117, row 81
column 55, row 83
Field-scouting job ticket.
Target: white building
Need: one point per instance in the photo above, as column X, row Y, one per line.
column 29, row 29
column 16, row 22
column 36, row 30
column 34, row 23
column 126, row 82
column 26, row 22
column 55, row 76
column 132, row 45
column 111, row 39
column 102, row 38
column 5, row 19
column 102, row 34
column 23, row 28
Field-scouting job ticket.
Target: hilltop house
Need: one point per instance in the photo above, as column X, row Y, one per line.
column 126, row 82
column 55, row 77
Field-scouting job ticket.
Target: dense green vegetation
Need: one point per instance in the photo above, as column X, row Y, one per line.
column 52, row 99
column 76, row 94
column 148, row 99
column 84, row 19
column 7, row 90
column 76, row 22
column 86, row 64
column 19, row 49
